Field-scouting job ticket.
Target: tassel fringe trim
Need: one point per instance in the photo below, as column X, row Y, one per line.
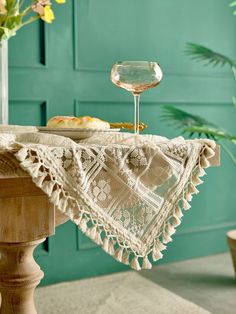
column 118, row 250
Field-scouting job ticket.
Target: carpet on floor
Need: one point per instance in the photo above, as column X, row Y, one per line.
column 206, row 281
column 122, row 293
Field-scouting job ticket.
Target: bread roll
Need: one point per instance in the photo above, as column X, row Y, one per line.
column 77, row 123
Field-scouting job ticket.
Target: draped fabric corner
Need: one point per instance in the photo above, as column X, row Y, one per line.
column 127, row 193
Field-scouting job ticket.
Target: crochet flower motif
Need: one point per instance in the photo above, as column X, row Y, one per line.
column 138, row 158
column 67, row 158
column 122, row 216
column 144, row 214
column 179, row 152
column 86, row 160
column 63, row 156
column 101, row 190
column 136, row 229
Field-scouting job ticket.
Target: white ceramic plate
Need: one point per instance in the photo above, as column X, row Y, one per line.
column 74, row 134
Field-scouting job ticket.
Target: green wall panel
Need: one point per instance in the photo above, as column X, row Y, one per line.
column 30, row 53
column 150, row 30
column 27, row 112
column 64, row 69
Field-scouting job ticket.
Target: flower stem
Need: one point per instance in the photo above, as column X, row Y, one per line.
column 30, row 20
column 21, row 3
column 26, row 11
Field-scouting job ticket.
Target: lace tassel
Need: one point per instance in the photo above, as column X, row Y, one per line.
column 160, row 246
column 146, row 263
column 105, row 244
column 22, row 154
column 204, row 162
column 166, row 238
column 69, row 212
column 175, row 221
column 26, row 164
column 209, row 152
column 178, row 212
column 48, row 187
column 209, row 143
column 34, row 170
column 39, row 180
column 135, row 263
column 192, row 189
column 87, row 232
column 156, row 255
column 185, row 204
column 63, row 204
column 111, row 250
column 119, row 254
column 55, row 197
column 77, row 218
column 125, row 258
column 83, row 225
column 189, row 197
column 170, row 229
column 196, row 180
column 98, row 238
column 201, row 172
column 93, row 232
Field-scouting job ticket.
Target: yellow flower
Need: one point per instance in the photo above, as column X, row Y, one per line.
column 48, row 15
column 60, row 1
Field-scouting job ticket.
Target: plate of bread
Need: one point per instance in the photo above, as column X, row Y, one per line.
column 76, row 128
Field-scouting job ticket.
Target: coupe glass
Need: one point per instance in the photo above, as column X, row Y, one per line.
column 136, row 77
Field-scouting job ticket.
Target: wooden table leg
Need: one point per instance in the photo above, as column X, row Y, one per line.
column 19, row 276
column 26, row 219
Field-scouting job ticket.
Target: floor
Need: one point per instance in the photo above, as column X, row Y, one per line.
column 121, row 293
column 199, row 286
column 208, row 282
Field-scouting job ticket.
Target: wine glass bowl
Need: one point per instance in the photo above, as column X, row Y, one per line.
column 136, row 77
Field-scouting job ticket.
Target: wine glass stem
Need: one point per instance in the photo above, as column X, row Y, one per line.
column 136, row 113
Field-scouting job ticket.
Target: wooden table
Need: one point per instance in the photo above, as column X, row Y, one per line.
column 26, row 219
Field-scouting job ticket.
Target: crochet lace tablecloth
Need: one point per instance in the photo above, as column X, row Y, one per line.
column 125, row 192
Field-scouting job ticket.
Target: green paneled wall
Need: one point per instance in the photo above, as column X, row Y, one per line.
column 64, row 68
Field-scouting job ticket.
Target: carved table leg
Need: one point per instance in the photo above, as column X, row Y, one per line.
column 19, row 276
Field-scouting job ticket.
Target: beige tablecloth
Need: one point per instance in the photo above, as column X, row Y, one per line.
column 127, row 193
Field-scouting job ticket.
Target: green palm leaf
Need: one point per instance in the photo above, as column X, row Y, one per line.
column 233, row 4
column 184, row 118
column 194, row 124
column 201, row 53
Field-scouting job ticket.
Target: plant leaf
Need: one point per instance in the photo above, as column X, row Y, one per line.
column 183, row 117
column 194, row 124
column 202, row 53
column 232, row 4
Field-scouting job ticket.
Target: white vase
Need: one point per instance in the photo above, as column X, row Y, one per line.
column 4, row 82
